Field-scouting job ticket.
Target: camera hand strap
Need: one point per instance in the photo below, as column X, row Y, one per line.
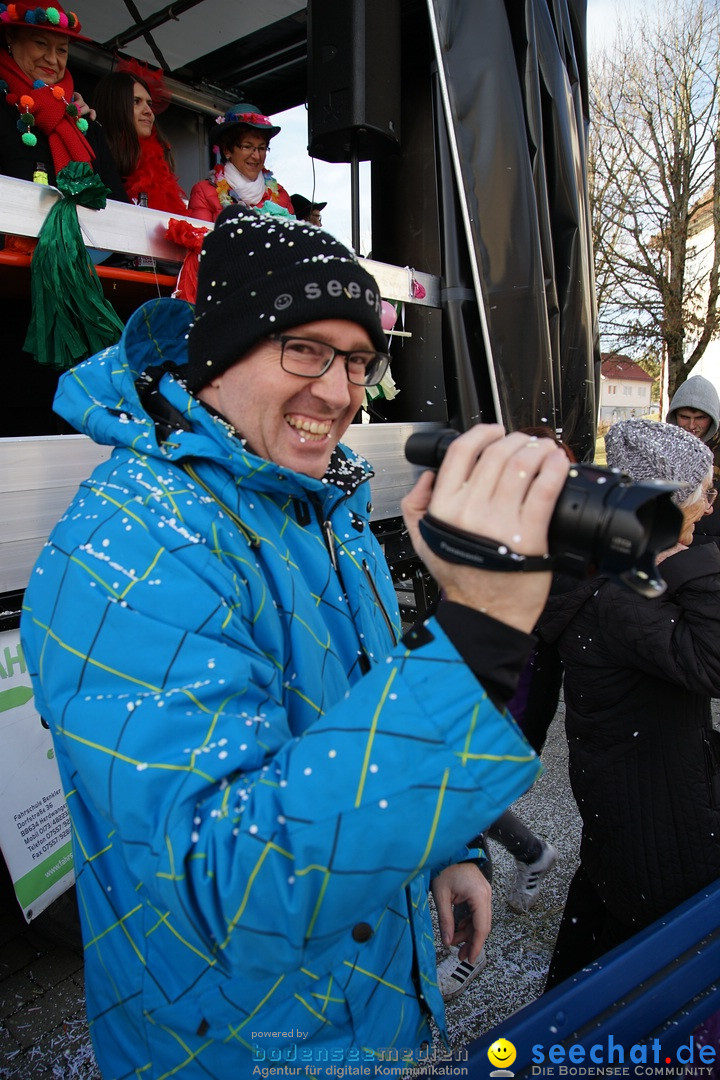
column 457, row 546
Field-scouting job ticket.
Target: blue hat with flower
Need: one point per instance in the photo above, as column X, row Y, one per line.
column 249, row 115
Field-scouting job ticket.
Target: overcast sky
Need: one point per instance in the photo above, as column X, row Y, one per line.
column 324, row 182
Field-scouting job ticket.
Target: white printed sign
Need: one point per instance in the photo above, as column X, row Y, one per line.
column 34, row 822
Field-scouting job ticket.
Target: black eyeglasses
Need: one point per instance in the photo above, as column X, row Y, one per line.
column 248, row 148
column 311, row 359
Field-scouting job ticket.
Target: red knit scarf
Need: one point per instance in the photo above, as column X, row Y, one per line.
column 67, row 143
column 154, row 176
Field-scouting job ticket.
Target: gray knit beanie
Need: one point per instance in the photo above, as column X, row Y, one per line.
column 651, row 450
column 260, row 274
column 697, row 393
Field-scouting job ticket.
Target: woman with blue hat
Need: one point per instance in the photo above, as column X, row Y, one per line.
column 241, row 141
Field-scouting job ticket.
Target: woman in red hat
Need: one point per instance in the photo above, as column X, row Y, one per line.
column 126, row 103
column 41, row 129
column 242, row 139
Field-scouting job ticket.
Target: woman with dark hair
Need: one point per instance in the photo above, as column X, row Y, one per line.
column 241, row 143
column 125, row 108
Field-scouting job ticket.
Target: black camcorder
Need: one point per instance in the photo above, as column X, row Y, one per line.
column 603, row 523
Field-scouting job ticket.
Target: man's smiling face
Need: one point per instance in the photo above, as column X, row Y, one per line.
column 288, row 419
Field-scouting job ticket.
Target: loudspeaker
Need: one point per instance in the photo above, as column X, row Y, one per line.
column 353, row 78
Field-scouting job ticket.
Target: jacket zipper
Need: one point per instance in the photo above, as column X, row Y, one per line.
column 378, row 601
column 327, row 532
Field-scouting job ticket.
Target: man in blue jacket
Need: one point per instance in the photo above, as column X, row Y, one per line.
column 261, row 773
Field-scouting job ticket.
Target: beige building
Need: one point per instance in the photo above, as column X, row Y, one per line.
column 701, row 247
column 625, row 389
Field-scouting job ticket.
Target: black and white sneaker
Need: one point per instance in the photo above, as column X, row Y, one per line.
column 453, row 974
column 525, row 889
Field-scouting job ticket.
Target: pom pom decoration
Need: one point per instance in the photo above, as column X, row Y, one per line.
column 53, row 16
column 26, row 102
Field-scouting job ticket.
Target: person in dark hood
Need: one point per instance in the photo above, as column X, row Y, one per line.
column 696, row 407
column 644, row 760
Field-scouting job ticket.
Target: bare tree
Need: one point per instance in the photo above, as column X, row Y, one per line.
column 654, row 165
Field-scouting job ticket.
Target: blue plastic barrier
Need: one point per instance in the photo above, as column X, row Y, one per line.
column 632, row 1013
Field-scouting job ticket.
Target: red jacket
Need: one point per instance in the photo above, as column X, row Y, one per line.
column 205, row 204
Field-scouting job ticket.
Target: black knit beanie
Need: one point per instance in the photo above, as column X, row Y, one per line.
column 260, row 274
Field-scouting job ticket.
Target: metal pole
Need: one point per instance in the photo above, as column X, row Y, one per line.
column 355, row 194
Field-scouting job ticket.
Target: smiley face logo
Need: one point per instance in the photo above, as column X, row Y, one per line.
column 502, row 1053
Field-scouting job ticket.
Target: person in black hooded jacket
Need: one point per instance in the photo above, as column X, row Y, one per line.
column 695, row 406
column 643, row 757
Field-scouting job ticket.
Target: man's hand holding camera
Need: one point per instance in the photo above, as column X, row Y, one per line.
column 501, row 487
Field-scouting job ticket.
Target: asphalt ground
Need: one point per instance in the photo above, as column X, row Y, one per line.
column 43, row 1031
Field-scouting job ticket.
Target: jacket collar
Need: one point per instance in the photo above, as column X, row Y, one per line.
column 134, row 395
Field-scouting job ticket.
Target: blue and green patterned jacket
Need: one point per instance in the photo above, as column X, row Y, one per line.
column 259, row 774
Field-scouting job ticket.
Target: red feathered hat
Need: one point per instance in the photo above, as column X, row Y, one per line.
column 153, row 79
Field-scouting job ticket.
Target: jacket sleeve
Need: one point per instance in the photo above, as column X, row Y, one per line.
column 199, row 204
column 169, row 709
column 677, row 636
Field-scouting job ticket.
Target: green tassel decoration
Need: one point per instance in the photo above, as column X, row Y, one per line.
column 71, row 319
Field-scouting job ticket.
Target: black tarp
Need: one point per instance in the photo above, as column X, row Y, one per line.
column 513, row 89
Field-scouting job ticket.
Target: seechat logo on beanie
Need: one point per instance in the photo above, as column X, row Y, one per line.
column 260, row 275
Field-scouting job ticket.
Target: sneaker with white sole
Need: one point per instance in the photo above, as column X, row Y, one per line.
column 453, row 974
column 525, row 890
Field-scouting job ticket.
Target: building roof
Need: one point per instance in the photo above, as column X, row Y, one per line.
column 622, row 367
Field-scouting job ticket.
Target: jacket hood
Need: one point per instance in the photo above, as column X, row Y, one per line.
column 697, row 393
column 103, row 398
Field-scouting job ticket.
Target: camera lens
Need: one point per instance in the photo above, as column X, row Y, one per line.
column 603, row 522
